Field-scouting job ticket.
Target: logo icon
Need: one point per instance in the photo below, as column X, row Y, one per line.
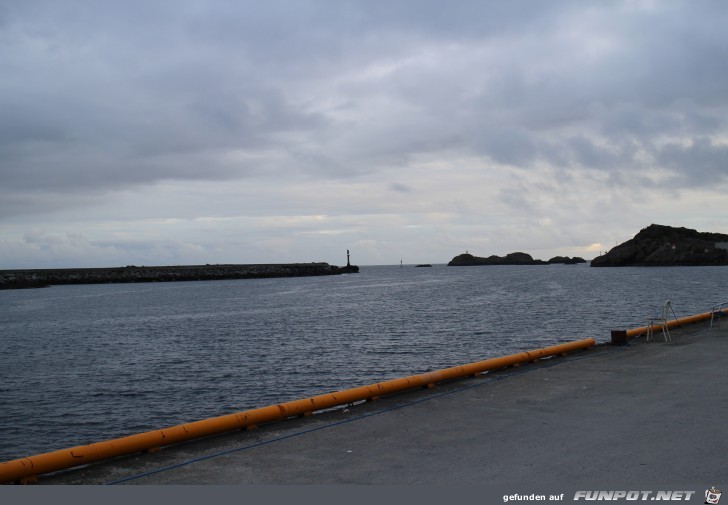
column 712, row 496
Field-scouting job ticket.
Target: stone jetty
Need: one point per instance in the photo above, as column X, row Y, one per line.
column 13, row 279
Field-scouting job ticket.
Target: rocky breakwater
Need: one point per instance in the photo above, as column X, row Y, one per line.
column 10, row 279
column 515, row 258
column 659, row 245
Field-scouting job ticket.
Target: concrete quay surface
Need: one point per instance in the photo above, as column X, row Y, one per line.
column 649, row 413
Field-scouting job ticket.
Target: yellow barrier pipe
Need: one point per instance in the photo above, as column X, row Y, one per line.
column 28, row 468
column 674, row 322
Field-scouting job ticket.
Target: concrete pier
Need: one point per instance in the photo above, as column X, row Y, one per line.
column 612, row 415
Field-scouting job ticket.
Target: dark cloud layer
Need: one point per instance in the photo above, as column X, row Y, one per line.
column 100, row 98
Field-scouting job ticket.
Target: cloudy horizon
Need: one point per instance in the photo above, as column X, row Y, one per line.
column 161, row 133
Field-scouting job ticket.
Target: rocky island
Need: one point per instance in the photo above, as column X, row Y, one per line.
column 13, row 279
column 659, row 245
column 515, row 258
column 565, row 260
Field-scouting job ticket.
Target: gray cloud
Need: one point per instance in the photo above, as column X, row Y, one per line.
column 400, row 188
column 701, row 163
column 101, row 99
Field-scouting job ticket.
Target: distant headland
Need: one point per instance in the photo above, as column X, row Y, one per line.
column 659, row 245
column 515, row 258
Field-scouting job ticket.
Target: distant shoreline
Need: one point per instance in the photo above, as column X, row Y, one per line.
column 38, row 278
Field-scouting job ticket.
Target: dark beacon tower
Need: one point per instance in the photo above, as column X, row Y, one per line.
column 349, row 268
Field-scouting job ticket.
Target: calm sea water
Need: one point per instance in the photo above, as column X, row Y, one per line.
column 81, row 364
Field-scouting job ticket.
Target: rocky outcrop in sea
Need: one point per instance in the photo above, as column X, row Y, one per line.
column 515, row 258
column 659, row 245
column 565, row 260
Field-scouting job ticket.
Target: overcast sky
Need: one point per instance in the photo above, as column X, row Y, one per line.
column 186, row 132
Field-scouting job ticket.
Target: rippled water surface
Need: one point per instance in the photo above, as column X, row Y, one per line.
column 81, row 364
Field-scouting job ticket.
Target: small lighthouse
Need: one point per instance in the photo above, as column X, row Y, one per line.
column 349, row 268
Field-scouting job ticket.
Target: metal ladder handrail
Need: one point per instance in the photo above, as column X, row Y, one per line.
column 662, row 320
column 717, row 310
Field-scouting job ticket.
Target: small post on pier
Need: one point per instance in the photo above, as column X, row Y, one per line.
column 619, row 337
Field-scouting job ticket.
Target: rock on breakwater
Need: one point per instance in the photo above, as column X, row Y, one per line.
column 13, row 279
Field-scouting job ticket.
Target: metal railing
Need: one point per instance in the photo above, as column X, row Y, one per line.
column 661, row 322
column 716, row 312
column 671, row 323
